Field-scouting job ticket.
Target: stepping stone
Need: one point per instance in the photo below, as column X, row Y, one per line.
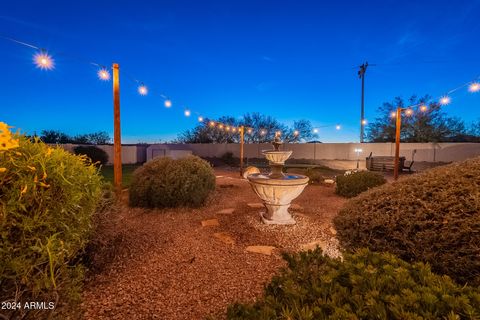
column 218, row 177
column 313, row 245
column 267, row 250
column 257, row 205
column 226, row 211
column 295, row 206
column 210, row 222
column 224, row 237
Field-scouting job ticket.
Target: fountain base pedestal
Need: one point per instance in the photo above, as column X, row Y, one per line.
column 277, row 214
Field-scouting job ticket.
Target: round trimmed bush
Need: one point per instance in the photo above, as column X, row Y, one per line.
column 365, row 285
column 47, row 200
column 355, row 183
column 432, row 217
column 164, row 182
column 97, row 155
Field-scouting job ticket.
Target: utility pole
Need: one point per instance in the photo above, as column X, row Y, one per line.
column 117, row 143
column 398, row 125
column 361, row 75
column 242, row 133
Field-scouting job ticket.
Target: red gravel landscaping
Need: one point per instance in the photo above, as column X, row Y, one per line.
column 163, row 264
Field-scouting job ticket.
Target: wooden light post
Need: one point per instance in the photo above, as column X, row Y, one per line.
column 117, row 140
column 242, row 132
column 397, row 142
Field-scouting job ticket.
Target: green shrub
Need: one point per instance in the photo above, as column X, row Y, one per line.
column 228, row 159
column 365, row 285
column 164, row 182
column 315, row 177
column 97, row 155
column 47, row 199
column 357, row 182
column 432, row 217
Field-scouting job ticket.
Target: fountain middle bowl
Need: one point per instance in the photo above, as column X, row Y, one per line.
column 277, row 157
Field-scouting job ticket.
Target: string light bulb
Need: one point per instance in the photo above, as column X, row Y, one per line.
column 200, row 119
column 220, row 126
column 234, row 129
column 263, row 132
column 103, row 74
column 296, row 133
column 227, row 128
column 43, row 60
column 338, row 127
column 423, row 108
column 168, row 103
column 249, row 131
column 142, row 90
column 409, row 112
column 445, row 100
column 474, row 87
column 212, row 124
column 315, row 130
column 187, row 113
column 393, row 114
column 364, row 121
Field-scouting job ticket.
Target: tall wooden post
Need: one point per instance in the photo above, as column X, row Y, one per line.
column 117, row 140
column 242, row 132
column 397, row 142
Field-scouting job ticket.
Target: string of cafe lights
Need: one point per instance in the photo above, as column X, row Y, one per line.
column 44, row 60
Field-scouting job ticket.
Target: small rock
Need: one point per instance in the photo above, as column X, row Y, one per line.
column 224, row 237
column 250, row 170
column 257, row 205
column 267, row 250
column 333, row 231
column 313, row 245
column 210, row 222
column 226, row 211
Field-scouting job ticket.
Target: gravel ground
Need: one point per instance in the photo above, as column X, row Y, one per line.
column 162, row 264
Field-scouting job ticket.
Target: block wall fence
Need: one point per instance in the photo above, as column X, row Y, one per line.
column 424, row 152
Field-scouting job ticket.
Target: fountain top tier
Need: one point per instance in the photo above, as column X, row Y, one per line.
column 277, row 157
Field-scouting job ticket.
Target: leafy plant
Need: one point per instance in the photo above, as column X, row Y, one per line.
column 97, row 156
column 365, row 285
column 47, row 199
column 355, row 183
column 164, row 182
column 228, row 158
column 432, row 217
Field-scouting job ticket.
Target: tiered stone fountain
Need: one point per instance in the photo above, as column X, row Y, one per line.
column 277, row 190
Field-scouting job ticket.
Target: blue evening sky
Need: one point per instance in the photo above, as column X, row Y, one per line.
column 288, row 59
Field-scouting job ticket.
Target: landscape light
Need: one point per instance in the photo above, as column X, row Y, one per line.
column 187, row 113
column 168, row 103
column 103, row 74
column 474, row 87
column 43, row 60
column 423, row 108
column 296, row 133
column 409, row 112
column 142, row 90
column 200, row 119
column 445, row 100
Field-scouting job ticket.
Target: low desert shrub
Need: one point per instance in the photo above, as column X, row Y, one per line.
column 164, row 182
column 432, row 217
column 365, row 285
column 355, row 183
column 47, row 199
column 228, row 159
column 96, row 155
column 314, row 176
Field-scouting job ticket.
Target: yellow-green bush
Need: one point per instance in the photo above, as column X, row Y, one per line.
column 47, row 199
column 432, row 217
column 355, row 183
column 164, row 182
column 364, row 285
